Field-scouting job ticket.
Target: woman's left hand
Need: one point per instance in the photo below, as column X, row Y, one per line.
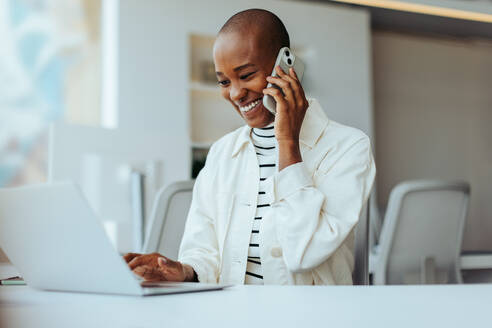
column 291, row 108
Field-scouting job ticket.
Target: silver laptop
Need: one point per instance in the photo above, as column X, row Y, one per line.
column 54, row 239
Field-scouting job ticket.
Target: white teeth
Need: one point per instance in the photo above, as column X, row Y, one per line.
column 250, row 106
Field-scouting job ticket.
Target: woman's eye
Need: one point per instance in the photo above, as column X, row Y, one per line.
column 223, row 83
column 245, row 76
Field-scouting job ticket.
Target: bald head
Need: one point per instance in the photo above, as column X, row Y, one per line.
column 244, row 54
column 264, row 25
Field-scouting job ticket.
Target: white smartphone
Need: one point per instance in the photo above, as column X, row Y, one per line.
column 285, row 59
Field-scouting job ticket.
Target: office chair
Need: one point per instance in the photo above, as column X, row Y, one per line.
column 422, row 232
column 168, row 218
column 360, row 275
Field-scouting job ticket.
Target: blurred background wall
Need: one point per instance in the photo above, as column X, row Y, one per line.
column 126, row 84
column 433, row 112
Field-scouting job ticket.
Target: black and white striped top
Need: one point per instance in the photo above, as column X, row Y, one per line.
column 266, row 152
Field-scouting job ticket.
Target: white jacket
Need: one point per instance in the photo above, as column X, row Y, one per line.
column 306, row 236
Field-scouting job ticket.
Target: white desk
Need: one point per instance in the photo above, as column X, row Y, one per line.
column 256, row 306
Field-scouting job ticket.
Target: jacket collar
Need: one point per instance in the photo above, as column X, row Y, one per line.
column 313, row 125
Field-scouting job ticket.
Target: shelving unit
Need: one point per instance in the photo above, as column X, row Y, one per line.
column 211, row 116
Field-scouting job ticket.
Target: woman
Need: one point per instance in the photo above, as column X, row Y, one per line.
column 277, row 200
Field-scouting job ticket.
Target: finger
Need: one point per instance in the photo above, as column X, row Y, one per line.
column 130, row 256
column 292, row 78
column 297, row 87
column 280, row 71
column 140, row 271
column 165, row 269
column 301, row 100
column 277, row 81
column 144, row 259
column 166, row 264
column 163, row 262
column 276, row 94
column 170, row 270
column 293, row 74
column 287, row 78
column 294, row 81
column 148, row 273
column 281, row 102
column 286, row 88
column 137, row 261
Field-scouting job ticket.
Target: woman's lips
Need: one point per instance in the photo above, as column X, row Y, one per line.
column 253, row 111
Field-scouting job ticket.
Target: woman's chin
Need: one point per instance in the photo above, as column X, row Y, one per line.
column 259, row 117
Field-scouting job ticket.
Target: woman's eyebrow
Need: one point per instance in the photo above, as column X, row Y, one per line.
column 243, row 67
column 237, row 68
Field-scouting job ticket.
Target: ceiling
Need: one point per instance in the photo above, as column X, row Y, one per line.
column 422, row 23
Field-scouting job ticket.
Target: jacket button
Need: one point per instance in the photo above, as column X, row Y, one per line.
column 276, row 251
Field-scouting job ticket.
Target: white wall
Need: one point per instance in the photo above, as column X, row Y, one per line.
column 154, row 57
column 433, row 113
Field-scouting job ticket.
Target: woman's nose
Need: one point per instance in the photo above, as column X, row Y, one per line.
column 237, row 93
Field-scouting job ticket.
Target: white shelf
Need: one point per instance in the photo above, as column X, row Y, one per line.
column 211, row 116
column 201, row 145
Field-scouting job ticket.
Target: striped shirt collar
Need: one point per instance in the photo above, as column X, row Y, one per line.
column 267, row 131
column 264, row 136
column 313, row 125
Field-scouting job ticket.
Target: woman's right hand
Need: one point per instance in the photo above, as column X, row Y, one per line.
column 156, row 267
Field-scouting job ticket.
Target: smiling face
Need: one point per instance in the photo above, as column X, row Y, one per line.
column 242, row 63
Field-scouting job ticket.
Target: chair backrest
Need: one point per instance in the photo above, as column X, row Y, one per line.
column 375, row 219
column 168, row 218
column 360, row 275
column 422, row 232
